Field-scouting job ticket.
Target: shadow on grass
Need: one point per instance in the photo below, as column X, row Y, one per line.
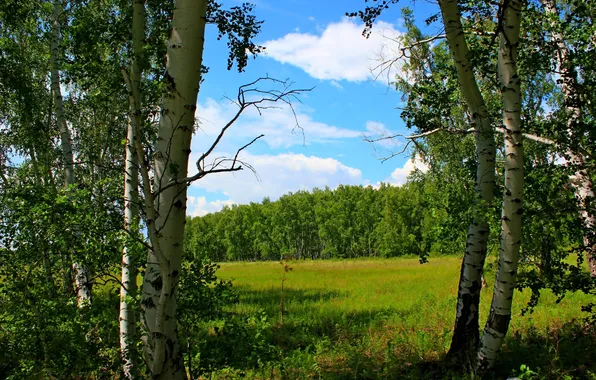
column 567, row 350
column 328, row 343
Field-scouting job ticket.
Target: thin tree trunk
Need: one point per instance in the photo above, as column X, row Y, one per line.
column 47, row 265
column 128, row 291
column 511, row 223
column 81, row 274
column 466, row 330
column 183, row 71
column 580, row 181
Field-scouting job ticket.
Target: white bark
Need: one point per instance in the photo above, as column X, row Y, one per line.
column 465, row 334
column 511, row 223
column 81, row 274
column 183, row 71
column 580, row 181
column 128, row 291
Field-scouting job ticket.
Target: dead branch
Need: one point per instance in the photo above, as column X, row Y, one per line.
column 249, row 95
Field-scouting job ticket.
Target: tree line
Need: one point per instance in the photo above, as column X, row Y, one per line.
column 347, row 222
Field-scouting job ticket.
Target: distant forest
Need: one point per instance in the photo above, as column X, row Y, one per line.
column 427, row 215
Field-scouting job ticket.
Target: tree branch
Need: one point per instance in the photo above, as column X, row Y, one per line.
column 266, row 98
column 412, row 138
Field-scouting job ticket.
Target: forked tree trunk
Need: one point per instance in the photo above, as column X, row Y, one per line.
column 466, row 330
column 183, row 71
column 81, row 274
column 511, row 222
column 128, row 291
column 580, row 181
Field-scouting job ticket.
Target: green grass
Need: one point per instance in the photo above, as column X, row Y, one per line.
column 390, row 319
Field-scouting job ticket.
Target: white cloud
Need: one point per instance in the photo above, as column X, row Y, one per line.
column 400, row 175
column 335, row 83
column 278, row 175
column 339, row 52
column 198, row 206
column 282, row 129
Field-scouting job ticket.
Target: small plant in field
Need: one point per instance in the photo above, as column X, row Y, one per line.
column 526, row 373
column 286, row 268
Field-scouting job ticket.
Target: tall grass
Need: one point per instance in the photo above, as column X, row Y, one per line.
column 382, row 318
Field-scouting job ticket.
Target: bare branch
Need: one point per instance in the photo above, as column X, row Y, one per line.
column 387, row 63
column 262, row 99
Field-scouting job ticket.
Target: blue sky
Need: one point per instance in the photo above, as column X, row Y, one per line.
column 312, row 44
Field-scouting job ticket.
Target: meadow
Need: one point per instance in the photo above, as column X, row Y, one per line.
column 367, row 319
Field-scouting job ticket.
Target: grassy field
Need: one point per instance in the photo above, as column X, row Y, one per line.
column 386, row 319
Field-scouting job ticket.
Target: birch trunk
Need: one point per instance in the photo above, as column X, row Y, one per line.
column 81, row 274
column 183, row 71
column 466, row 330
column 511, row 222
column 128, row 291
column 580, row 181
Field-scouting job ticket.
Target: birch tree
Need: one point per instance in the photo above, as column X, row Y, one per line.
column 164, row 195
column 580, row 180
column 466, row 330
column 465, row 334
column 511, row 222
column 81, row 274
column 128, row 290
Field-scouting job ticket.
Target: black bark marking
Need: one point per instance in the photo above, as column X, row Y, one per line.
column 148, row 303
column 157, row 284
column 499, row 322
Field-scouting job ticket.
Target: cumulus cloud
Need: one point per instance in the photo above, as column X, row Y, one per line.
column 339, row 52
column 277, row 175
column 281, row 126
column 199, row 206
column 400, row 175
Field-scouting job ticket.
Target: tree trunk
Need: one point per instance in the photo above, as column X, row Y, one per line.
column 183, row 72
column 466, row 330
column 511, row 223
column 128, row 291
column 580, row 181
column 81, row 274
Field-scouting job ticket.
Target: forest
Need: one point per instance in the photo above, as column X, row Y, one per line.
column 482, row 265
